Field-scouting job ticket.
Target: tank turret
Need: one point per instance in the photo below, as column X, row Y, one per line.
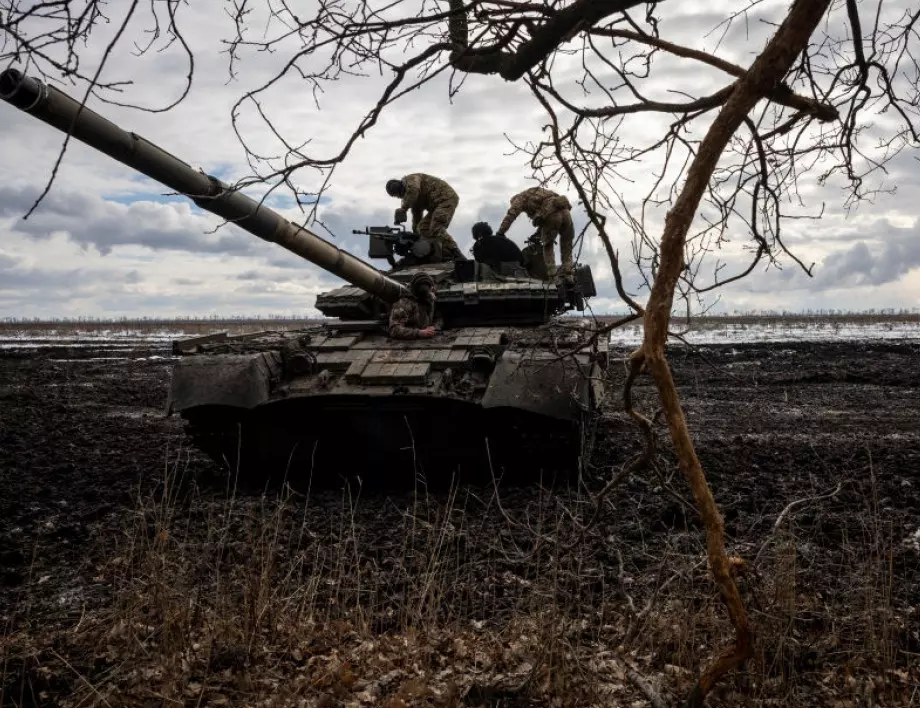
column 506, row 384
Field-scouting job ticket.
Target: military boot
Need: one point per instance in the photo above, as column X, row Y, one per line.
column 452, row 251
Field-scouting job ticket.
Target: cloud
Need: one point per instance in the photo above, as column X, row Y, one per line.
column 48, row 292
column 104, row 224
column 106, row 239
column 892, row 254
column 33, row 280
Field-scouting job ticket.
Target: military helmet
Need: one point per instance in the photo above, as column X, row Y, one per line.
column 395, row 187
column 481, row 230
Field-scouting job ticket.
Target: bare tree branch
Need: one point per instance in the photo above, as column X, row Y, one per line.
column 768, row 69
column 559, row 27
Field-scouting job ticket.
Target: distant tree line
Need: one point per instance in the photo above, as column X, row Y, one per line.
column 249, row 323
column 147, row 321
column 291, row 319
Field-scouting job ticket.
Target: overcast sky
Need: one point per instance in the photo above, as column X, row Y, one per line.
column 106, row 242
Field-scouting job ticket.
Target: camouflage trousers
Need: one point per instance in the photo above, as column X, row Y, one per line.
column 558, row 224
column 433, row 226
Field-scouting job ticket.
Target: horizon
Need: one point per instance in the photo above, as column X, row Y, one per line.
column 295, row 317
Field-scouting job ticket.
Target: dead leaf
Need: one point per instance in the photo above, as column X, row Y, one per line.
column 346, row 676
column 413, row 688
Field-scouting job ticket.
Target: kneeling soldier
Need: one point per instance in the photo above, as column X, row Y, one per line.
column 424, row 193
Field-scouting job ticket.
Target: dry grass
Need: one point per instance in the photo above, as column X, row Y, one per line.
column 293, row 600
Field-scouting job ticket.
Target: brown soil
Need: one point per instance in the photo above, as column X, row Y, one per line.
column 86, row 454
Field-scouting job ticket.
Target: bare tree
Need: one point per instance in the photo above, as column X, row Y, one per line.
column 728, row 167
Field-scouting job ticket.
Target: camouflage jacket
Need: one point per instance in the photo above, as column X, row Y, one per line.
column 408, row 315
column 424, row 193
column 536, row 202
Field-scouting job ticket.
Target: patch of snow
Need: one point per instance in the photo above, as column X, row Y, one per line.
column 70, row 597
column 770, row 332
column 135, row 413
column 74, row 335
column 92, row 358
column 117, row 339
column 24, row 344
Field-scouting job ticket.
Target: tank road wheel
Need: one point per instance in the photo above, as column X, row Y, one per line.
column 388, row 443
column 219, row 434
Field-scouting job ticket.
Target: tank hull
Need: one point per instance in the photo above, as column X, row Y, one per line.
column 385, row 445
column 320, row 405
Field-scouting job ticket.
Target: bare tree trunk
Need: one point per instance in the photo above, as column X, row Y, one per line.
column 765, row 75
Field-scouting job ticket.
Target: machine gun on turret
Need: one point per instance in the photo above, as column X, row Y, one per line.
column 391, row 241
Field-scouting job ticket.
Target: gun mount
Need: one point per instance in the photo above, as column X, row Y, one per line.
column 505, row 385
column 391, row 241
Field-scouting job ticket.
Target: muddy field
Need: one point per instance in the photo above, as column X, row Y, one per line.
column 131, row 575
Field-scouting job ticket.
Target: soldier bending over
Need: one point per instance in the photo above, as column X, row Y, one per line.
column 424, row 193
column 412, row 316
column 552, row 214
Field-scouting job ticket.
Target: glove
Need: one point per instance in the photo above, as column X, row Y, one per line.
column 537, row 221
column 400, row 216
column 499, row 233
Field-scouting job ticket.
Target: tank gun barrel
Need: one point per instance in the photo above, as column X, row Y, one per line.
column 59, row 110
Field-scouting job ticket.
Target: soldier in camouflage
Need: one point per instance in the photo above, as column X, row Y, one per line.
column 412, row 316
column 423, row 193
column 551, row 213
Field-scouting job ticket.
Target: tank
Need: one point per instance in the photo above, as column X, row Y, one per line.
column 507, row 386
